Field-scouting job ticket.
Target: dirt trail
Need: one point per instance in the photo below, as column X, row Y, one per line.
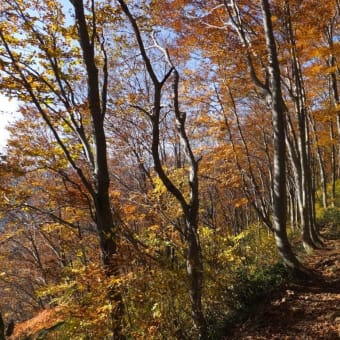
column 301, row 310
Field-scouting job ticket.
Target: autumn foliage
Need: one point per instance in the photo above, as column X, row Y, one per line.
column 138, row 192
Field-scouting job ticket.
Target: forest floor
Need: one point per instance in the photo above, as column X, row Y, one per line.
column 301, row 310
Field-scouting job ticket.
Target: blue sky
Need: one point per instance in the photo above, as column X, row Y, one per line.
column 7, row 114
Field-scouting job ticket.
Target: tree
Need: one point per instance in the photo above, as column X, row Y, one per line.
column 44, row 74
column 2, row 328
column 159, row 185
column 271, row 89
column 189, row 208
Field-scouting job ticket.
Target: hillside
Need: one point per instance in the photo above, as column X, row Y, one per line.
column 301, row 310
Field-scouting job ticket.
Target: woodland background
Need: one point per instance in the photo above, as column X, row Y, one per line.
column 170, row 159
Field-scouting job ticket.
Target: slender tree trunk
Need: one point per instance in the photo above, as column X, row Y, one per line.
column 106, row 224
column 279, row 173
column 322, row 170
column 303, row 183
column 271, row 88
column 332, row 63
column 191, row 212
column 2, row 328
column 250, row 187
column 314, row 233
column 292, row 209
column 195, row 275
column 189, row 209
column 333, row 164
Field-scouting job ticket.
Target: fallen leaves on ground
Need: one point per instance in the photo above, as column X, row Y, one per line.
column 301, row 310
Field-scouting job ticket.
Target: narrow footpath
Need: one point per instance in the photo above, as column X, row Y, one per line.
column 301, row 310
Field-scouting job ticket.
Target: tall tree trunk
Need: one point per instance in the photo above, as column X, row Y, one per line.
column 195, row 275
column 303, row 178
column 190, row 209
column 96, row 187
column 106, row 224
column 333, row 164
column 271, row 88
column 332, row 63
column 2, row 328
column 321, row 163
column 279, row 173
column 251, row 189
column 292, row 207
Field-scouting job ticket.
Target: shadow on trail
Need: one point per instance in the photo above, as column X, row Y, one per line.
column 317, row 286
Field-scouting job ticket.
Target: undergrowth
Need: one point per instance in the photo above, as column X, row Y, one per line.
column 248, row 289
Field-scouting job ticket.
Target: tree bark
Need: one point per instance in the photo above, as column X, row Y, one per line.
column 279, row 109
column 333, row 164
column 301, row 138
column 271, row 89
column 2, row 328
column 332, row 63
column 106, row 222
column 190, row 209
column 321, row 163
